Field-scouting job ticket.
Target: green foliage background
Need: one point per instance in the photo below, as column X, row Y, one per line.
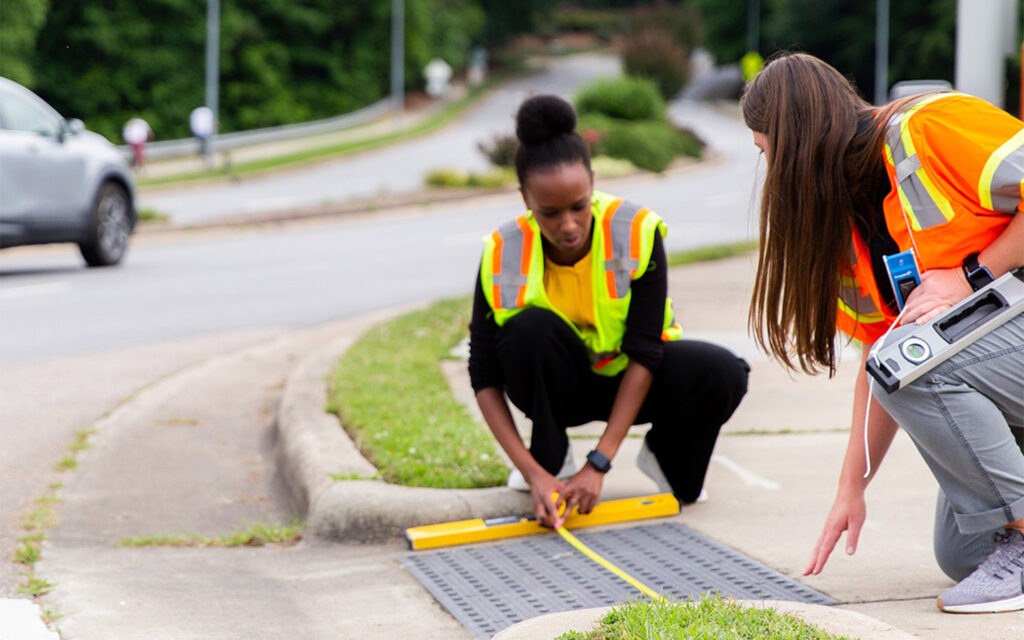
column 281, row 61
column 285, row 61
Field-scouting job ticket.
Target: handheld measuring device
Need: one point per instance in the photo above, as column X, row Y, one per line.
column 928, row 345
column 903, row 275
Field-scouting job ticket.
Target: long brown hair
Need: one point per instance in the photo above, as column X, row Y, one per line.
column 824, row 161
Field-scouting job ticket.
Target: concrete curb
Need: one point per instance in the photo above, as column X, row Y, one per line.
column 313, row 446
column 832, row 619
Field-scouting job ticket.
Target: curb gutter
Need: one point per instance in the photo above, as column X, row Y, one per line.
column 313, row 445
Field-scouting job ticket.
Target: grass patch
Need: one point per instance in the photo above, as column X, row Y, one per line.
column 28, row 553
column 67, row 463
column 704, row 254
column 398, row 408
column 442, row 117
column 710, row 618
column 35, row 586
column 256, row 535
column 152, row 215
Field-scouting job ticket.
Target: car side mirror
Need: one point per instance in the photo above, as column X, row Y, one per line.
column 74, row 126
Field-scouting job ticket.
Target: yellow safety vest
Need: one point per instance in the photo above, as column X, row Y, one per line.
column 512, row 274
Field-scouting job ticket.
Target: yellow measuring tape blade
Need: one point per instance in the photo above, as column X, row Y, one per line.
column 593, row 555
column 479, row 530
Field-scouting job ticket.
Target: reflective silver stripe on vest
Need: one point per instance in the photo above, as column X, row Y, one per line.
column 620, row 263
column 511, row 276
column 1006, row 182
column 923, row 207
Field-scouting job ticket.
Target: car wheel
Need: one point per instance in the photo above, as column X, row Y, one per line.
column 111, row 226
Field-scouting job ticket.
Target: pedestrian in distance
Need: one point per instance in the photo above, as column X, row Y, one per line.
column 847, row 183
column 572, row 321
column 137, row 133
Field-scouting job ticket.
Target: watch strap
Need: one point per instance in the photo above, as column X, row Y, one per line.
column 599, row 461
column 977, row 275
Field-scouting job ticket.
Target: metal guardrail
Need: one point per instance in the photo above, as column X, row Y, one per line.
column 163, row 149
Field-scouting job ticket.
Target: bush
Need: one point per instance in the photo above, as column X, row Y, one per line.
column 624, row 97
column 454, row 178
column 501, row 150
column 652, row 53
column 651, row 145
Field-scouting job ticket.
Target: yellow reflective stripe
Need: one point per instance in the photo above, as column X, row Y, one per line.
column 997, row 157
column 863, row 318
column 908, row 144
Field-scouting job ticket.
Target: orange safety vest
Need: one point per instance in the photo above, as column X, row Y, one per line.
column 955, row 165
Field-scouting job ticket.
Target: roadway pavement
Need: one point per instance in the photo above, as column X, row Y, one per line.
column 198, row 450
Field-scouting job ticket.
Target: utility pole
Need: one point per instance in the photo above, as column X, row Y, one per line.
column 882, row 52
column 398, row 61
column 753, row 24
column 212, row 69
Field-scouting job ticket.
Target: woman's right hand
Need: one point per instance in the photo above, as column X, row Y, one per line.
column 543, row 487
column 848, row 514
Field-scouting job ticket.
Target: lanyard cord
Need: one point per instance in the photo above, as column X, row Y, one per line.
column 873, row 353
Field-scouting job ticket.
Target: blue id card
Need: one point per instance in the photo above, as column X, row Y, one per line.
column 903, row 276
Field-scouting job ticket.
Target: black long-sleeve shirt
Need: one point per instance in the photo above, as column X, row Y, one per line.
column 641, row 342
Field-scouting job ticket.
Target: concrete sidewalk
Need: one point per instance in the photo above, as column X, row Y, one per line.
column 195, row 451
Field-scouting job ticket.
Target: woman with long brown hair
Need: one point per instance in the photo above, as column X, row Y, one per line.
column 847, row 184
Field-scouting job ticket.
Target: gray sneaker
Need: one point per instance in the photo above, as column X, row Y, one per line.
column 518, row 482
column 997, row 585
column 648, row 464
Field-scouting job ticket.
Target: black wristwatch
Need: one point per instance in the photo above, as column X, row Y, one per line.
column 977, row 275
column 599, row 461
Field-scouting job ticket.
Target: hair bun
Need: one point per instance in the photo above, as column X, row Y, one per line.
column 544, row 117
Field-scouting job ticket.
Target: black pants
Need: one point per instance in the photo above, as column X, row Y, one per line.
column 548, row 376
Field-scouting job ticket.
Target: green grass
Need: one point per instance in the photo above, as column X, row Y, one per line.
column 34, row 586
column 395, row 403
column 152, row 215
column 28, row 553
column 439, row 119
column 711, row 618
column 704, row 254
column 256, row 535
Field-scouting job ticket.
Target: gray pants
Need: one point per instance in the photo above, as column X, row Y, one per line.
column 965, row 417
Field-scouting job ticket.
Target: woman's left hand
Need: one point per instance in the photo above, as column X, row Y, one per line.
column 939, row 290
column 582, row 490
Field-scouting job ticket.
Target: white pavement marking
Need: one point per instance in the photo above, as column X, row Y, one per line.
column 748, row 477
column 21, row 620
column 34, row 290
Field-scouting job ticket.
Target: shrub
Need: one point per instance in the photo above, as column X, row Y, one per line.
column 652, row 53
column 446, row 178
column 650, row 145
column 501, row 150
column 624, row 97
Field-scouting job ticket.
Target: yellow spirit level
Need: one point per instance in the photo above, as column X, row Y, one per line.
column 448, row 534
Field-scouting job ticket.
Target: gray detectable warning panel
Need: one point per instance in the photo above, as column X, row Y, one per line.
column 488, row 587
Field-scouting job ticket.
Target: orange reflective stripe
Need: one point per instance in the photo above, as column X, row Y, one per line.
column 609, row 280
column 496, row 269
column 634, row 235
column 606, row 227
column 527, row 245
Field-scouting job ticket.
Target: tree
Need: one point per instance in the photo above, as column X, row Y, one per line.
column 281, row 61
column 20, row 21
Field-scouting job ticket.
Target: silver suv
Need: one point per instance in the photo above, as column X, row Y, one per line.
column 59, row 182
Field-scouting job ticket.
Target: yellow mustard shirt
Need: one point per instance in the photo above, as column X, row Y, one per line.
column 570, row 291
